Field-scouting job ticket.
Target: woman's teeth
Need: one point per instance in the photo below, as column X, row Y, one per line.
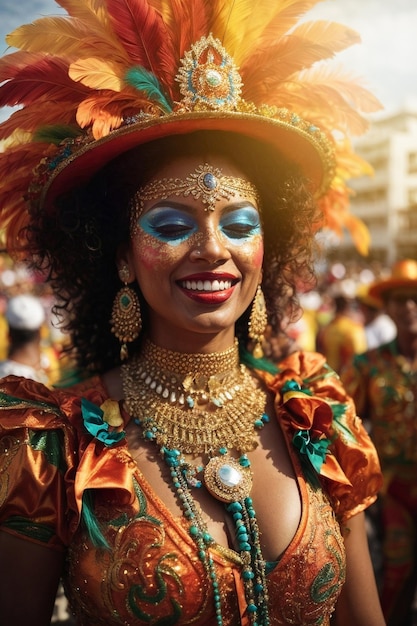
column 206, row 285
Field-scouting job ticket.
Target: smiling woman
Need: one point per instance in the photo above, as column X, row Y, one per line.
column 172, row 202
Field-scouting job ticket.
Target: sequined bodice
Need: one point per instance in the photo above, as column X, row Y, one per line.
column 152, row 570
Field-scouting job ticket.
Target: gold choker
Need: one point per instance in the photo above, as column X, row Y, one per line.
column 197, row 403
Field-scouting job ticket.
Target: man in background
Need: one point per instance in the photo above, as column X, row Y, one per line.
column 25, row 317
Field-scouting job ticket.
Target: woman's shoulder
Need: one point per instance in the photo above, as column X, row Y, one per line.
column 320, row 422
column 43, row 437
column 25, row 403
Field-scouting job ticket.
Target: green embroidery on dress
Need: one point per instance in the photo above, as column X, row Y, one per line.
column 137, row 596
column 11, row 402
column 321, row 589
column 329, row 579
column 30, row 529
column 50, row 442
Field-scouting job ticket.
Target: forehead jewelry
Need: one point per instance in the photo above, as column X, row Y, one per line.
column 207, row 183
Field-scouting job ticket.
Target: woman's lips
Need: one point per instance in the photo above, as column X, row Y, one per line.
column 206, row 289
column 206, row 285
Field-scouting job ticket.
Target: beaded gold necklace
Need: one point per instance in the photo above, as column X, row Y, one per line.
column 205, row 405
column 197, row 402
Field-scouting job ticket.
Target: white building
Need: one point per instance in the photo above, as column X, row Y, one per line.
column 387, row 201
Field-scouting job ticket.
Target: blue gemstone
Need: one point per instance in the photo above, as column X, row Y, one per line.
column 210, row 181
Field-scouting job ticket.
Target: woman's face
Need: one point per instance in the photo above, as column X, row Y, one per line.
column 401, row 306
column 197, row 260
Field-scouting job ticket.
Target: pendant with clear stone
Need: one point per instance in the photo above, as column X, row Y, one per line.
column 226, row 479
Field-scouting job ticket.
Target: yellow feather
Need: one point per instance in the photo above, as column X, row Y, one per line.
column 17, row 138
column 331, row 35
column 97, row 74
column 244, row 27
column 66, row 38
column 90, row 11
column 54, row 35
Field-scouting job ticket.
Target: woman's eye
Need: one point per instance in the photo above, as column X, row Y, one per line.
column 172, row 230
column 239, row 230
column 241, row 224
column 167, row 224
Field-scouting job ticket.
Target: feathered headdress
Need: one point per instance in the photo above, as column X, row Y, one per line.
column 114, row 74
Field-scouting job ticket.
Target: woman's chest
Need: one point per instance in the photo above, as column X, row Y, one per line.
column 273, row 489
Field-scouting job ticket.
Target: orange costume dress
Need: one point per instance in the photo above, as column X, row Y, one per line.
column 151, row 573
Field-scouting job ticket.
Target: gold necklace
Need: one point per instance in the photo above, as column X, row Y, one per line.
column 196, row 403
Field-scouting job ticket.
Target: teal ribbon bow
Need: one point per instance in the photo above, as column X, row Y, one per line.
column 314, row 450
column 96, row 426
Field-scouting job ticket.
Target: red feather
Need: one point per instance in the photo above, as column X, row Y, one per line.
column 187, row 21
column 13, row 63
column 143, row 34
column 46, row 79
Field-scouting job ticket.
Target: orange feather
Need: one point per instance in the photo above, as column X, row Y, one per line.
column 331, row 35
column 262, row 79
column 105, row 111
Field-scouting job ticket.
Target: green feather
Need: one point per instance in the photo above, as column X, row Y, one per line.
column 55, row 133
column 141, row 79
column 90, row 521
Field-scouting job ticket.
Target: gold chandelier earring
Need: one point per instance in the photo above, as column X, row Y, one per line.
column 126, row 319
column 258, row 321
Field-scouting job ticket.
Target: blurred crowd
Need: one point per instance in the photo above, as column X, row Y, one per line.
column 364, row 321
column 32, row 342
column 339, row 316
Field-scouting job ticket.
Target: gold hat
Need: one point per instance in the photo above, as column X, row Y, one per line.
column 403, row 274
column 114, row 74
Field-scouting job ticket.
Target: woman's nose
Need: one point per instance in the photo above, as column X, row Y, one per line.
column 211, row 246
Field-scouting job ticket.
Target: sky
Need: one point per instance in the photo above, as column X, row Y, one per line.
column 386, row 59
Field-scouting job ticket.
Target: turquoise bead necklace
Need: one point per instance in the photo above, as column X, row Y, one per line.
column 183, row 476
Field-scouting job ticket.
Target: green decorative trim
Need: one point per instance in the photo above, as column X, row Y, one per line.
column 339, row 414
column 137, row 596
column 262, row 364
column 11, row 402
column 30, row 529
column 50, row 442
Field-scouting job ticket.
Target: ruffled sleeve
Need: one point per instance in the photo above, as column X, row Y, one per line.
column 322, row 428
column 54, row 447
column 37, row 459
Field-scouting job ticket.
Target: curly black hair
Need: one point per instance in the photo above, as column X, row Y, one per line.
column 75, row 246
